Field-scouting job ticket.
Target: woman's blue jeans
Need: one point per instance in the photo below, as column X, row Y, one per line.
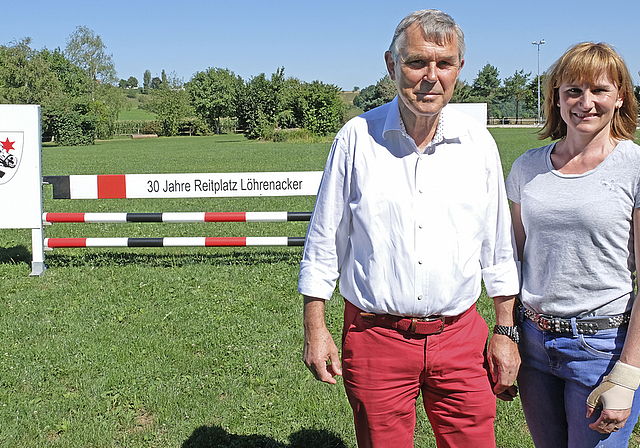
column 558, row 372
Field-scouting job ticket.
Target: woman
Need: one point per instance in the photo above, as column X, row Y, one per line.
column 576, row 218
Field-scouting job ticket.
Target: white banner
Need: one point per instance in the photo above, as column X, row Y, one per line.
column 301, row 183
column 195, row 185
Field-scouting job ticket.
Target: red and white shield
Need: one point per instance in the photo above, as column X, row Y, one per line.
column 11, row 146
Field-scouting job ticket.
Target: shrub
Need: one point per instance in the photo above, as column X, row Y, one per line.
column 124, row 127
column 294, row 135
column 72, row 129
column 151, row 127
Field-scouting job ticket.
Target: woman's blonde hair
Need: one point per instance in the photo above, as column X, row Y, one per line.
column 588, row 61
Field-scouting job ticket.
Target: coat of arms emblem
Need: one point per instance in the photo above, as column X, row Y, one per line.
column 11, row 145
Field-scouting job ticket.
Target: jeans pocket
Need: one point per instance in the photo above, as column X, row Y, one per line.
column 605, row 344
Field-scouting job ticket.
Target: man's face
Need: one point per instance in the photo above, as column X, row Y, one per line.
column 425, row 73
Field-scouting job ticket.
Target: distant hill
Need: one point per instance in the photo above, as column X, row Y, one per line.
column 348, row 97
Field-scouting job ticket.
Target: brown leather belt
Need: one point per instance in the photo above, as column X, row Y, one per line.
column 413, row 325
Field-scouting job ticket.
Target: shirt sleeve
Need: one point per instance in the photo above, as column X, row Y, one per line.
column 328, row 232
column 512, row 183
column 497, row 257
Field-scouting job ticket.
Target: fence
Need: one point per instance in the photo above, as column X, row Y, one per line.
column 506, row 121
column 183, row 186
column 173, row 217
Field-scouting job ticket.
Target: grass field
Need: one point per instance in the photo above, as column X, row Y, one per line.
column 177, row 347
column 136, row 114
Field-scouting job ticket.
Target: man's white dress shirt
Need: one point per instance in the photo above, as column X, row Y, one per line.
column 410, row 233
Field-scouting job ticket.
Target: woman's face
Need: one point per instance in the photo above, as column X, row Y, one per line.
column 588, row 108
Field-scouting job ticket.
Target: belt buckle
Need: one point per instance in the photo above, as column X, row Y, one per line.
column 415, row 320
column 545, row 323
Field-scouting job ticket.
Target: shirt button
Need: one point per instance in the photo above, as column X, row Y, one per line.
column 419, row 261
column 420, row 297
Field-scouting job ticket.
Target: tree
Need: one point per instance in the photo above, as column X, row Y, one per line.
column 258, row 107
column 170, row 107
column 106, row 107
column 320, row 108
column 515, row 87
column 461, row 93
column 531, row 99
column 86, row 50
column 214, row 94
column 128, row 83
column 48, row 79
column 263, row 103
column 146, row 80
column 376, row 95
column 486, row 84
column 155, row 83
column 74, row 82
column 25, row 76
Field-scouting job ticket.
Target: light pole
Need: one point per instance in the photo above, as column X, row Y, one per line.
column 538, row 43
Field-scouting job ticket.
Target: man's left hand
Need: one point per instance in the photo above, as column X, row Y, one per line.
column 504, row 362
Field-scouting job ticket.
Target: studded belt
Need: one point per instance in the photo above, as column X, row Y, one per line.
column 588, row 326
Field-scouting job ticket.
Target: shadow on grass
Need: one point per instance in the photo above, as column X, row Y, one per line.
column 217, row 437
column 15, row 254
column 245, row 257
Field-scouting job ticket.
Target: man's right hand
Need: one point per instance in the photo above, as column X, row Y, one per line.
column 320, row 353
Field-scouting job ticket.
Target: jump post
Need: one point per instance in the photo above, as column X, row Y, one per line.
column 21, row 175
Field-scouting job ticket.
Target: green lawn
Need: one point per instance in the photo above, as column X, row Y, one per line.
column 136, row 114
column 177, row 347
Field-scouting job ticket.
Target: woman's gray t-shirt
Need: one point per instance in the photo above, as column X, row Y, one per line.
column 578, row 257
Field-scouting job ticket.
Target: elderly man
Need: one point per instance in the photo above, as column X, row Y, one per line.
column 411, row 215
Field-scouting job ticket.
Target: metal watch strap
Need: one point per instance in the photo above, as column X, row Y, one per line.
column 511, row 332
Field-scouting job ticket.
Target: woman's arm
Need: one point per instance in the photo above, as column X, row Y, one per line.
column 617, row 389
column 518, row 229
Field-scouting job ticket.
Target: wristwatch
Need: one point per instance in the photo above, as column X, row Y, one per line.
column 511, row 332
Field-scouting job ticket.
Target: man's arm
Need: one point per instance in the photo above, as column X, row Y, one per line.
column 503, row 355
column 319, row 346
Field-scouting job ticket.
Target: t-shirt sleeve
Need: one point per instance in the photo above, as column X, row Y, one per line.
column 513, row 182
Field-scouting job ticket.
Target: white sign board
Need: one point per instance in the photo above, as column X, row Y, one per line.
column 194, row 185
column 475, row 110
column 21, row 174
column 301, row 183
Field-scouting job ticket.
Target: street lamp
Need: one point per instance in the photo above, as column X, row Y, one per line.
column 538, row 43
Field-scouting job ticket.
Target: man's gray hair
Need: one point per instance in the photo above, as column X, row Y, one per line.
column 438, row 27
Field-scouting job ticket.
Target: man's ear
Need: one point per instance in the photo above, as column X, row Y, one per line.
column 391, row 65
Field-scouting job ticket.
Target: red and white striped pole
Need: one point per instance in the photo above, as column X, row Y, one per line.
column 51, row 243
column 176, row 217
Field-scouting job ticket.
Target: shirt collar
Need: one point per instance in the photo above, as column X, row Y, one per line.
column 395, row 123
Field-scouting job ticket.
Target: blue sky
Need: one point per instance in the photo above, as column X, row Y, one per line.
column 337, row 42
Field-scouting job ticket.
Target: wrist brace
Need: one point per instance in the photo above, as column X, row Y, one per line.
column 616, row 389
